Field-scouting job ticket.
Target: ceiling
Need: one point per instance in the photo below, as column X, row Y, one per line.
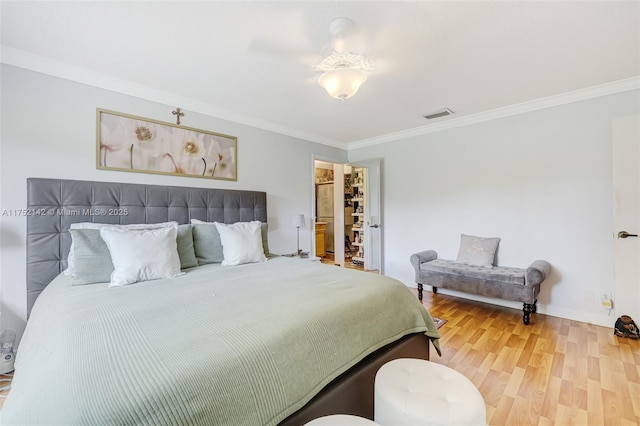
column 253, row 61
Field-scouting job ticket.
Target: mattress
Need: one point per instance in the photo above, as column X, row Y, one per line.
column 224, row 345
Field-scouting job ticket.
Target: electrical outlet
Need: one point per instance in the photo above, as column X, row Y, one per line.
column 606, row 301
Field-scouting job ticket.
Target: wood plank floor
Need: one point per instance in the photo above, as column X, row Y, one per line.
column 552, row 372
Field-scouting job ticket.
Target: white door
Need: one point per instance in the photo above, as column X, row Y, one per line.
column 626, row 215
column 372, row 219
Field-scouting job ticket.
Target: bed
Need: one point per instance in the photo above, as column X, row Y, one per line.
column 280, row 341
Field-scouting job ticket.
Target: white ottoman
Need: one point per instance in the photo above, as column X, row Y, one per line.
column 341, row 420
column 415, row 392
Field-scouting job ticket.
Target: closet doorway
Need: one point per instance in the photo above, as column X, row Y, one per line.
column 347, row 214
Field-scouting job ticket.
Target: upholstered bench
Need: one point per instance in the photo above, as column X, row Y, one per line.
column 415, row 392
column 507, row 283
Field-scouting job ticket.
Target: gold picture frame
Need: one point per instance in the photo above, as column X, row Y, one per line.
column 129, row 143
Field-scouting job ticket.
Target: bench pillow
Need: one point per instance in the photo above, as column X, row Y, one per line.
column 478, row 251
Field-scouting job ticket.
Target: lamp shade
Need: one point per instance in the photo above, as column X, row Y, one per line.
column 297, row 220
column 342, row 83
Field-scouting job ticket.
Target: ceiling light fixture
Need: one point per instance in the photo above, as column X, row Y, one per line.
column 342, row 82
column 343, row 71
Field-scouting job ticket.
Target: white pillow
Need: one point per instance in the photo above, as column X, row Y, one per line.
column 241, row 242
column 264, row 229
column 71, row 262
column 142, row 254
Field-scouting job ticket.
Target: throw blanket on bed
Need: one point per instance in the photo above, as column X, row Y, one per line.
column 239, row 345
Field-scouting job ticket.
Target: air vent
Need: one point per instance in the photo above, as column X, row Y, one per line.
column 439, row 113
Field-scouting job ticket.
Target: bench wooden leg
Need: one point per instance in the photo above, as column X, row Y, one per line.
column 420, row 292
column 528, row 308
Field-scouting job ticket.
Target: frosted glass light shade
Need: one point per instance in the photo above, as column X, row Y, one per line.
column 342, row 83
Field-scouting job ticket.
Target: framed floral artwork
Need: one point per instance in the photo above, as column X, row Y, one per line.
column 136, row 144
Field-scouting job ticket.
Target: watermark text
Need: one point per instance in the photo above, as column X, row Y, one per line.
column 64, row 211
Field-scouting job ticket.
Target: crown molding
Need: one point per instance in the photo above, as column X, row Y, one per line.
column 21, row 59
column 625, row 85
column 41, row 64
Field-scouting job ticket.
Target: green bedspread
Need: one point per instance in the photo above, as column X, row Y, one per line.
column 239, row 345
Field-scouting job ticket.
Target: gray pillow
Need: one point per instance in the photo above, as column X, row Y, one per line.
column 478, row 251
column 207, row 244
column 92, row 257
column 186, row 250
column 264, row 229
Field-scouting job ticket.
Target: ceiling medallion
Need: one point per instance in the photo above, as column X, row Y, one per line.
column 351, row 60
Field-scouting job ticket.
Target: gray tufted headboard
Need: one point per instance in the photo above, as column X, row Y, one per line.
column 54, row 204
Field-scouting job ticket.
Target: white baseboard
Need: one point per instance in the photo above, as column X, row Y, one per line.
column 570, row 314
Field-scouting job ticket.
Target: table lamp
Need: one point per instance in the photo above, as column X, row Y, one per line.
column 298, row 221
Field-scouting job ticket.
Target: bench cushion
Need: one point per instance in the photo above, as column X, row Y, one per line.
column 504, row 274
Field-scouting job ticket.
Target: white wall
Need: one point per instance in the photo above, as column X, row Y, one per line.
column 542, row 181
column 48, row 129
